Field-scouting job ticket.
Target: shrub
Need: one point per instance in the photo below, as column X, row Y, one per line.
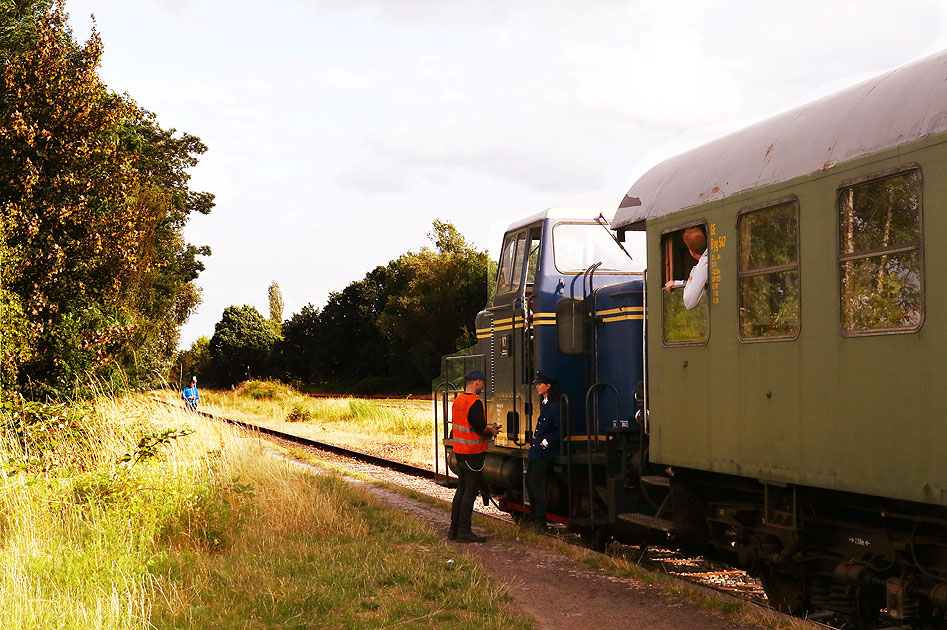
column 47, row 436
column 299, row 414
column 263, row 390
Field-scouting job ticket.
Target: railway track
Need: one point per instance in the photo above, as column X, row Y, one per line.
column 368, row 458
column 692, row 569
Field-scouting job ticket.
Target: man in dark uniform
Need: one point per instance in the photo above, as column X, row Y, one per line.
column 470, row 434
column 543, row 448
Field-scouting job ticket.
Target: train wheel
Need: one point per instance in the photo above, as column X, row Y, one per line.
column 596, row 539
column 786, row 592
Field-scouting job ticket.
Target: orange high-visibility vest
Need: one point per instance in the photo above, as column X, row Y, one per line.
column 466, row 441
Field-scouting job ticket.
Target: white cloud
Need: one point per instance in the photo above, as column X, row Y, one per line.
column 374, row 177
column 538, row 157
column 346, row 79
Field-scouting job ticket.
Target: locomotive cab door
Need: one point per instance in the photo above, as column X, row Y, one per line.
column 511, row 361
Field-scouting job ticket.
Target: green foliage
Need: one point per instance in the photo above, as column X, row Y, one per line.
column 275, row 297
column 48, row 435
column 434, row 313
column 881, row 289
column 242, row 343
column 389, row 330
column 681, row 324
column 769, row 301
column 195, row 361
column 299, row 414
column 263, row 390
column 94, row 198
column 19, row 25
column 301, row 344
column 17, row 340
column 150, row 443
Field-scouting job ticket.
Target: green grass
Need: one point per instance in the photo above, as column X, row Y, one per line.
column 399, row 419
column 744, row 613
column 169, row 529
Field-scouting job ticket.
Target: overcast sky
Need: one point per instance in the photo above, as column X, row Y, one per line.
column 338, row 130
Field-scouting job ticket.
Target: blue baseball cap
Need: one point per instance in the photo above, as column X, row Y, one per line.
column 474, row 375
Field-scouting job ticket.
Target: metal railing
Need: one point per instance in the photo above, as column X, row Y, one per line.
column 445, row 388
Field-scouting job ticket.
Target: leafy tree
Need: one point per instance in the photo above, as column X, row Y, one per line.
column 301, row 344
column 351, row 346
column 94, row 198
column 276, row 305
column 433, row 313
column 20, row 22
column 243, row 340
column 16, row 340
column 195, row 361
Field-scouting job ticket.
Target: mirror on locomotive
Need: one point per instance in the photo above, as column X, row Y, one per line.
column 686, row 314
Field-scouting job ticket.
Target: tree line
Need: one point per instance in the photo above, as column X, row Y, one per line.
column 384, row 333
column 95, row 275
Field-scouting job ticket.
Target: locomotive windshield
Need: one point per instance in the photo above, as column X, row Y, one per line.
column 578, row 246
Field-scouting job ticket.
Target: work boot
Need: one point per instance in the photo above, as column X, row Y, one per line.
column 451, row 534
column 469, row 536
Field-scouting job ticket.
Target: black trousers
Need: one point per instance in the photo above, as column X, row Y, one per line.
column 536, row 472
column 469, row 476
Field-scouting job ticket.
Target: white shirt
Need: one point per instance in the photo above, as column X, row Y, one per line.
column 696, row 283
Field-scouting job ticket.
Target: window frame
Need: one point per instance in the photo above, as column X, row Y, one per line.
column 664, row 264
column 514, row 287
column 919, row 247
column 793, row 199
column 536, row 228
column 552, row 247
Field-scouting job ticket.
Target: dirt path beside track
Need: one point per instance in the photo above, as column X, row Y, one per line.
column 557, row 591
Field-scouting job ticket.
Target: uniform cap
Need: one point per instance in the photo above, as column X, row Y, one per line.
column 543, row 378
column 474, row 375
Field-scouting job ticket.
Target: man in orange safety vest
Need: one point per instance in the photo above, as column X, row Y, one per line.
column 470, row 434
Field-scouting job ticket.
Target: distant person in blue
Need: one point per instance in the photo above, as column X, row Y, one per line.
column 190, row 395
column 543, row 449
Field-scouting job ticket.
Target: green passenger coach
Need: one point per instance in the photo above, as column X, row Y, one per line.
column 800, row 408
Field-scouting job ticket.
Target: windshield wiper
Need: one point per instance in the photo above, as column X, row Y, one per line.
column 600, row 219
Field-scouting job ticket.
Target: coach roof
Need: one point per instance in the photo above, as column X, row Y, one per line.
column 905, row 104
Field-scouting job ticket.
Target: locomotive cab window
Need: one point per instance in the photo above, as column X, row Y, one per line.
column 880, row 257
column 510, row 266
column 768, row 277
column 684, row 278
column 578, row 246
column 532, row 257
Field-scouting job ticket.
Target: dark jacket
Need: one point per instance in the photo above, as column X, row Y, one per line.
column 547, row 428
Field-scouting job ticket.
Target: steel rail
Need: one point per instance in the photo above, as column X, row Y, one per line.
column 367, row 458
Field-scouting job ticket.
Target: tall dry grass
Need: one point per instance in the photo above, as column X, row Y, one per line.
column 403, row 419
column 154, row 517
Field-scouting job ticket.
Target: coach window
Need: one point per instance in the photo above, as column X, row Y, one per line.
column 768, row 277
column 880, row 257
column 681, row 325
